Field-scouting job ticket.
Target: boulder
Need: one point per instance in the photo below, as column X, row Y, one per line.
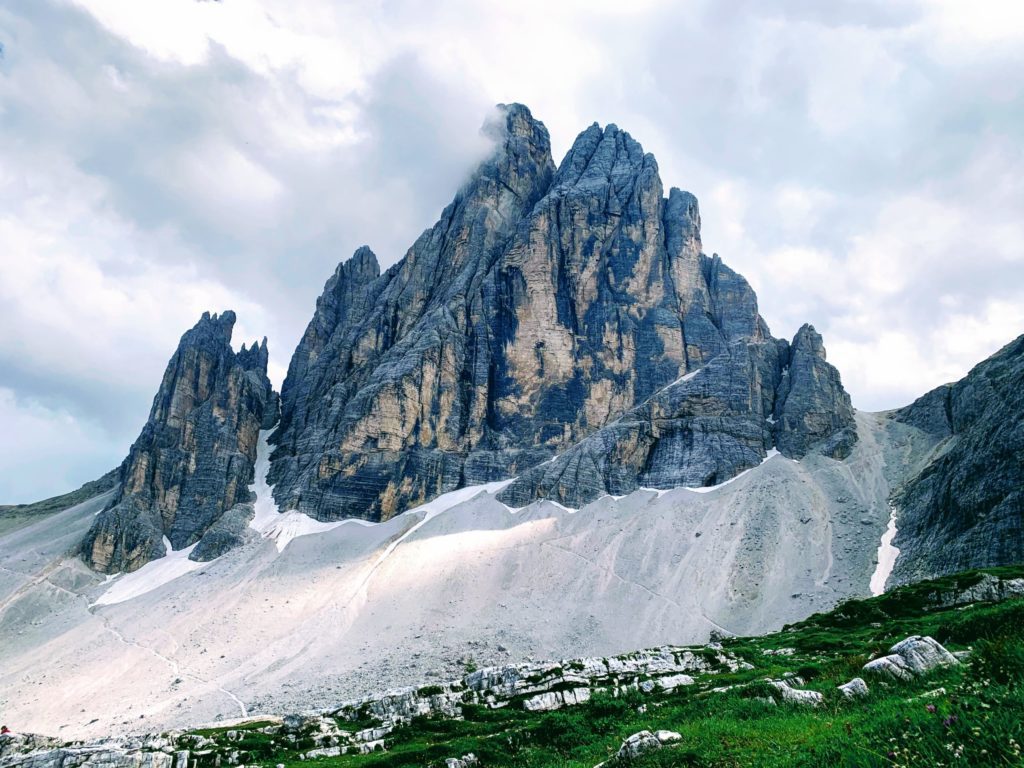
column 855, row 688
column 644, row 742
column 913, row 657
column 796, row 695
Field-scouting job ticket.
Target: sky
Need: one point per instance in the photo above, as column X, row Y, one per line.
column 861, row 163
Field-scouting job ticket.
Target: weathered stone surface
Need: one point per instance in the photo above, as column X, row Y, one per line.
column 698, row 431
column 910, row 658
column 811, row 406
column 93, row 756
column 385, row 395
column 965, row 508
column 707, row 426
column 230, row 530
column 796, row 695
column 194, row 459
column 643, row 742
column 542, row 687
column 854, row 688
column 543, row 306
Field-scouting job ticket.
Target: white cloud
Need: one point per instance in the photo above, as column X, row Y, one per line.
column 64, row 444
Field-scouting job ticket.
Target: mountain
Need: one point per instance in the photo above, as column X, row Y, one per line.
column 965, row 507
column 556, row 428
column 546, row 307
column 185, row 480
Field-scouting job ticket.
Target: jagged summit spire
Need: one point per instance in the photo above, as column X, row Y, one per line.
column 541, row 306
column 193, row 461
column 514, row 120
column 361, row 265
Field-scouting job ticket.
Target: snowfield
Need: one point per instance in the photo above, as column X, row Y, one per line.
column 152, row 575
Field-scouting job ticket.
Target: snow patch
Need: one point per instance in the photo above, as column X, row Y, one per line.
column 282, row 528
column 268, row 521
column 887, row 555
column 267, row 512
column 448, row 500
column 772, row 453
column 659, row 491
column 152, row 575
column 688, row 376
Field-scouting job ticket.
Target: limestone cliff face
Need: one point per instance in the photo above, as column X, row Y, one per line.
column 193, row 461
column 811, row 405
column 543, row 306
column 965, row 508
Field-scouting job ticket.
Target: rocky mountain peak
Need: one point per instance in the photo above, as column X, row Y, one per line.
column 255, row 358
column 193, row 462
column 544, row 305
column 965, row 507
column 812, row 408
column 362, row 267
column 604, row 157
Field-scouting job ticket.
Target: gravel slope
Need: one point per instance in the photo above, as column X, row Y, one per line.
column 328, row 618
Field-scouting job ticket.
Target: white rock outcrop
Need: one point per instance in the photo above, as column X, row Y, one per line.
column 643, row 742
column 855, row 688
column 913, row 657
column 541, row 687
column 796, row 695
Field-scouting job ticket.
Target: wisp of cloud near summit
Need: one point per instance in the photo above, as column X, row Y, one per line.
column 860, row 163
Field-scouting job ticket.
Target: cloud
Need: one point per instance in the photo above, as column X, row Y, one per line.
column 859, row 162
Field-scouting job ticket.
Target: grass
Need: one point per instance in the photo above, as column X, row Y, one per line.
column 976, row 721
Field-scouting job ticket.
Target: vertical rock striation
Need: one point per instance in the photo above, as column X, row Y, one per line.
column 193, row 462
column 546, row 307
column 965, row 508
column 811, row 405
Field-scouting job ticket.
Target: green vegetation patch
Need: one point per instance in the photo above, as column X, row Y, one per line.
column 968, row 715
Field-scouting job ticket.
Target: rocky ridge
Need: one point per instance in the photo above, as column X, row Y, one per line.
column 534, row 687
column 185, row 480
column 531, row 687
column 546, row 307
column 965, row 507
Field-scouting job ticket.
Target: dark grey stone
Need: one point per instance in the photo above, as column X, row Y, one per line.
column 965, row 508
column 230, row 530
column 194, row 458
column 812, row 409
column 542, row 309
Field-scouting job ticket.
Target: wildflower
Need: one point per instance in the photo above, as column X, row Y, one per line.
column 930, row 708
column 948, row 722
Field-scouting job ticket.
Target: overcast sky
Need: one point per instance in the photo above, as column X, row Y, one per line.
column 861, row 163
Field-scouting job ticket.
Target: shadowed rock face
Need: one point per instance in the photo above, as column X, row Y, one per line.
column 965, row 508
column 811, row 405
column 193, row 461
column 543, row 306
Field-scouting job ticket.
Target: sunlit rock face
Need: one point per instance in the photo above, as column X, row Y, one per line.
column 546, row 307
column 193, row 461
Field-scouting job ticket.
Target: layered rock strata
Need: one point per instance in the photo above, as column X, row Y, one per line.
column 190, row 468
column 544, row 305
column 965, row 508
